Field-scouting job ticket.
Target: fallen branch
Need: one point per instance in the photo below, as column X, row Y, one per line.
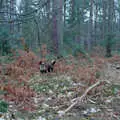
column 80, row 99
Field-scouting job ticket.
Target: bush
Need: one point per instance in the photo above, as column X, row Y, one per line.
column 4, row 41
column 5, row 47
column 3, row 106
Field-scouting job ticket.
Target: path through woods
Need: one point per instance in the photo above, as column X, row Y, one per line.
column 111, row 72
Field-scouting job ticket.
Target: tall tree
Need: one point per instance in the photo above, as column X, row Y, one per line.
column 110, row 28
column 95, row 34
column 57, row 25
column 90, row 25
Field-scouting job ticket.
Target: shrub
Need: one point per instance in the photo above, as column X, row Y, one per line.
column 4, row 41
column 3, row 106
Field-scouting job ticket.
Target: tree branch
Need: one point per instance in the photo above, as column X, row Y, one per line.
column 80, row 99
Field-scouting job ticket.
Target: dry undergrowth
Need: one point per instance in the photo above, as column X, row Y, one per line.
column 80, row 71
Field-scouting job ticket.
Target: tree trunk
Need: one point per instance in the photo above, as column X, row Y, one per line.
column 57, row 26
column 64, row 13
column 90, row 27
column 104, row 20
column 95, row 25
column 110, row 28
column 1, row 4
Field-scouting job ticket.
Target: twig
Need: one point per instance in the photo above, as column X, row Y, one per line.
column 115, row 116
column 91, row 101
column 80, row 99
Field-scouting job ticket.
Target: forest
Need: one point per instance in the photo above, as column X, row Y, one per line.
column 59, row 59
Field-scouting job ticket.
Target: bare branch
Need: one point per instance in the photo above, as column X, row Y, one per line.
column 80, row 99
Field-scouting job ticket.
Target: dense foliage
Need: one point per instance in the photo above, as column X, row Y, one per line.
column 82, row 23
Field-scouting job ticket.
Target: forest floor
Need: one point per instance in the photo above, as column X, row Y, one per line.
column 80, row 88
